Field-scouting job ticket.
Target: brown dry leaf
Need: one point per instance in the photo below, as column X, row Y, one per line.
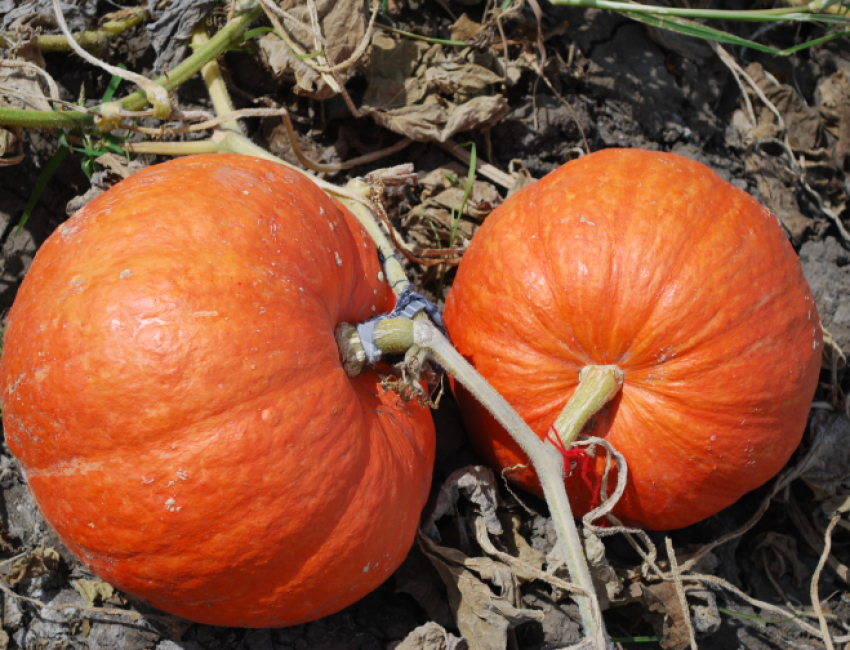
column 343, row 24
column 662, row 599
column 475, row 483
column 802, row 122
column 777, row 185
column 391, row 66
column 477, row 113
column 20, row 88
column 430, row 636
column 420, row 122
column 465, row 28
column 444, row 188
column 831, row 96
column 94, row 592
column 461, row 80
column 438, row 119
column 482, row 615
column 40, row 561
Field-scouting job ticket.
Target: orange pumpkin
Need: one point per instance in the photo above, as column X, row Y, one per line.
column 652, row 262
column 172, row 387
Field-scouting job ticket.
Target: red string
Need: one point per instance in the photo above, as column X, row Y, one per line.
column 582, row 462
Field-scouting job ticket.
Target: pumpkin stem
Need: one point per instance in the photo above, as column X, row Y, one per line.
column 597, row 385
column 547, row 463
column 390, row 336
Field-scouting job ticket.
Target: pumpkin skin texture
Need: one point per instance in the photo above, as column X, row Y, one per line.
column 652, row 262
column 172, row 387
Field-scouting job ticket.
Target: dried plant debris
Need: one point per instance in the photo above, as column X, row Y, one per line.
column 23, row 81
column 114, row 169
column 476, row 484
column 430, row 636
column 342, row 23
column 38, row 562
column 77, row 14
column 483, row 595
column 417, row 91
column 430, row 224
column 174, row 22
column 94, row 592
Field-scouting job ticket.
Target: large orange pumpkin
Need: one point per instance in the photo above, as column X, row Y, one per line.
column 172, row 388
column 652, row 262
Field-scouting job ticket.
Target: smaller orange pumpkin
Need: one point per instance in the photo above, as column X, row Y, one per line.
column 651, row 262
column 172, row 387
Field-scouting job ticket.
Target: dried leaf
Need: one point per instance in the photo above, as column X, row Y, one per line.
column 391, row 66
column 20, row 87
column 777, row 184
column 76, row 13
column 483, row 616
column 170, row 33
column 94, row 592
column 343, row 25
column 477, row 113
column 437, row 119
column 465, row 28
column 831, row 95
column 663, row 600
column 40, row 561
column 461, row 80
column 420, row 122
column 475, row 483
column 430, row 636
column 802, row 122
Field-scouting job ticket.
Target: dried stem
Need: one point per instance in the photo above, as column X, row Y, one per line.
column 546, row 461
column 156, row 94
column 827, row 545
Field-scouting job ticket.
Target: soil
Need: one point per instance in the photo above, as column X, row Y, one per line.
column 627, row 86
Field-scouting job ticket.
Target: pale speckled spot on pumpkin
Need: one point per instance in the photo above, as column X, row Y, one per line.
column 74, row 468
column 338, row 259
column 41, row 373
column 202, row 314
column 366, row 568
column 126, row 273
column 14, row 386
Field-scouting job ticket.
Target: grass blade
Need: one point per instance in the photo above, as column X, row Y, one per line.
column 698, row 30
column 41, row 183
